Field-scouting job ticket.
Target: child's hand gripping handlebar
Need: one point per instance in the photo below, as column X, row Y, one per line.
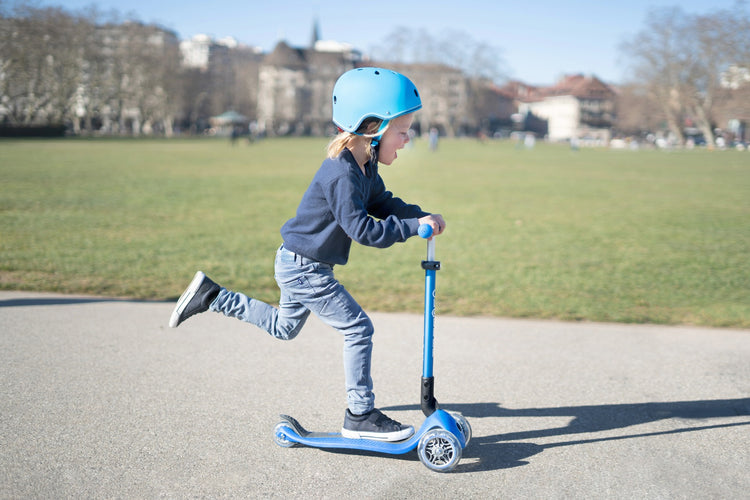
column 425, row 231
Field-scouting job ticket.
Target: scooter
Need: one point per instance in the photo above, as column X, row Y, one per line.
column 443, row 435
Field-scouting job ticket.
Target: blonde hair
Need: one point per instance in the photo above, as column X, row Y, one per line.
column 367, row 130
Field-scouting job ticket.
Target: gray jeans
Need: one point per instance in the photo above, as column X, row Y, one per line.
column 307, row 285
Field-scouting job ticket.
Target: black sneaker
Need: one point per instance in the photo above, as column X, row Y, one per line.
column 195, row 299
column 374, row 425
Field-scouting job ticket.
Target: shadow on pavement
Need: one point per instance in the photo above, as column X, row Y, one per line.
column 497, row 452
column 66, row 301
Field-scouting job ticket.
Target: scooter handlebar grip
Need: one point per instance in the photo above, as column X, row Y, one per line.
column 425, row 231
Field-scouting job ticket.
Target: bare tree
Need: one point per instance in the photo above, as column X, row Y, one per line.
column 394, row 46
column 658, row 54
column 41, row 65
column 453, row 48
column 679, row 59
column 244, row 87
column 718, row 43
column 97, row 90
column 636, row 114
column 154, row 60
column 58, row 67
column 129, row 77
column 6, row 33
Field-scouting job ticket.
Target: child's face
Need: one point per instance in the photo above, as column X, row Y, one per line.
column 395, row 137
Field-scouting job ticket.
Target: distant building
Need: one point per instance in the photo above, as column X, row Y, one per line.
column 735, row 77
column 732, row 108
column 196, row 51
column 445, row 94
column 577, row 106
column 201, row 50
column 294, row 88
column 292, row 94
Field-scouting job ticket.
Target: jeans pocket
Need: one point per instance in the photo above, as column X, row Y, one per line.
column 291, row 275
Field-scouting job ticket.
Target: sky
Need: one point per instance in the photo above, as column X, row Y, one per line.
column 538, row 41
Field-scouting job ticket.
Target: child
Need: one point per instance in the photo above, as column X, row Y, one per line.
column 346, row 200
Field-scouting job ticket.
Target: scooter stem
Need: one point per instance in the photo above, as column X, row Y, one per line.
column 431, row 266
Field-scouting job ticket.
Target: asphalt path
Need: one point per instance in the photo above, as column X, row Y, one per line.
column 101, row 399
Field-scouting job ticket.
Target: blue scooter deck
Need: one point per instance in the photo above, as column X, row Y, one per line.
column 298, row 434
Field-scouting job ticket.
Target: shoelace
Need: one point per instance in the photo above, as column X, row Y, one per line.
column 385, row 421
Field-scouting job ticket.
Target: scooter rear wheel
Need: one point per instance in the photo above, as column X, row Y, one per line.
column 439, row 450
column 280, row 438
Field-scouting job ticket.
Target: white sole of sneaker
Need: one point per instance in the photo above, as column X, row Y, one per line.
column 378, row 436
column 184, row 299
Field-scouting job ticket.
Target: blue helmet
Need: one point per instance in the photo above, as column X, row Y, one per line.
column 363, row 93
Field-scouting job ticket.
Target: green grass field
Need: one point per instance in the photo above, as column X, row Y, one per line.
column 600, row 235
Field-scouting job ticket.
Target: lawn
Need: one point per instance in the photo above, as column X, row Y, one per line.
column 600, row 235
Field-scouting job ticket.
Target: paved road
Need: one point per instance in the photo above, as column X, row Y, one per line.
column 100, row 399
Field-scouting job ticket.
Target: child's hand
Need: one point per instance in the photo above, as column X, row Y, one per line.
column 436, row 221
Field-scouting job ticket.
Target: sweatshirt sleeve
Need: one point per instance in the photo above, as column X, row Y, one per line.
column 383, row 204
column 350, row 209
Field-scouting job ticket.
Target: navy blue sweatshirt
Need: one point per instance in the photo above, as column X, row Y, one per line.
column 343, row 204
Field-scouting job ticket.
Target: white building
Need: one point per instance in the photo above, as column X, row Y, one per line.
column 198, row 50
column 577, row 106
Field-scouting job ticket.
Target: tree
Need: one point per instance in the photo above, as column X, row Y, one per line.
column 453, row 70
column 41, row 65
column 679, row 59
column 62, row 68
column 636, row 115
column 150, row 55
column 453, row 48
column 658, row 55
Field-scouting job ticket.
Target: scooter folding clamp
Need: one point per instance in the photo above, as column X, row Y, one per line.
column 431, row 265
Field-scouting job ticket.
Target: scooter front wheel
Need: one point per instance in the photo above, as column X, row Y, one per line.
column 280, row 438
column 439, row 450
column 463, row 425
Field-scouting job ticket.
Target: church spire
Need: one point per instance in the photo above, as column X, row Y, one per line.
column 315, row 33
